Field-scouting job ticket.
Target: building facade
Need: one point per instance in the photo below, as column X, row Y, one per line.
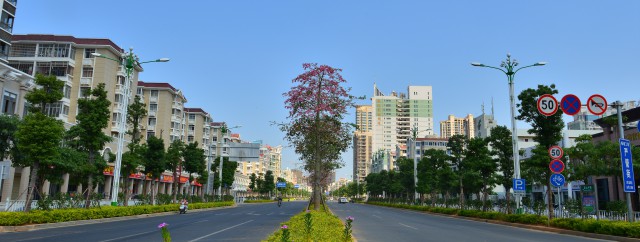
column 362, row 142
column 457, row 126
column 165, row 118
column 395, row 115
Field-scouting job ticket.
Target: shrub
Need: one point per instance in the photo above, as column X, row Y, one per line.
column 63, row 215
column 327, row 227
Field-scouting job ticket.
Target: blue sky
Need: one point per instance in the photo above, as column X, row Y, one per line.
column 236, row 58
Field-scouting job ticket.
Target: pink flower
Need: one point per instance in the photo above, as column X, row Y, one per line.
column 162, row 225
column 284, row 227
column 350, row 218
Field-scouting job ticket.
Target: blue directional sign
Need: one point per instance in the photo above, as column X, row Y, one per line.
column 627, row 166
column 281, row 184
column 557, row 180
column 519, row 185
column 296, row 186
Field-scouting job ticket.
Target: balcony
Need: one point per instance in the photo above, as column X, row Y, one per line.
column 151, row 127
column 85, row 81
column 115, row 126
column 120, row 88
column 177, row 105
column 6, row 27
column 176, row 118
column 121, row 71
column 153, row 99
column 118, row 107
column 152, row 113
column 191, row 132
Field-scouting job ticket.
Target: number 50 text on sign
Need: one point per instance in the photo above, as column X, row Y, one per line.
column 547, row 105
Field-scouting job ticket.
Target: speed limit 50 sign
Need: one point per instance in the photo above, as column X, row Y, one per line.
column 556, row 152
column 547, row 105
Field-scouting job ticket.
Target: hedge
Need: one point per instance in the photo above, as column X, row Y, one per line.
column 617, row 228
column 326, row 227
column 259, row 201
column 63, row 215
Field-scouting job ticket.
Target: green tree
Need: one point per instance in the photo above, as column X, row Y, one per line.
column 154, row 162
column 194, row 160
column 38, row 136
column 8, row 128
column 174, row 162
column 547, row 131
column 133, row 158
column 457, row 145
column 228, row 172
column 269, row 182
column 431, row 163
column 405, row 176
column 502, row 150
column 479, row 160
column 88, row 136
column 135, row 113
column 252, row 181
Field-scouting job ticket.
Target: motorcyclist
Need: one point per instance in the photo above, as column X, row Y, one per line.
column 185, row 203
column 279, row 201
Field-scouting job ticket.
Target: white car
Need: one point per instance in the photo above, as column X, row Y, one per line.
column 343, row 200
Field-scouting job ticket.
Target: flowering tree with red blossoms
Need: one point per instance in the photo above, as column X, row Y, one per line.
column 316, row 107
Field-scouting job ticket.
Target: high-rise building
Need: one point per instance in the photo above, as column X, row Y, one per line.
column 362, row 142
column 584, row 120
column 198, row 127
column 6, row 24
column 395, row 115
column 484, row 123
column 165, row 111
column 453, row 126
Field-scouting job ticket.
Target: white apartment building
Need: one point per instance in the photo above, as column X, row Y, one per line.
column 395, row 115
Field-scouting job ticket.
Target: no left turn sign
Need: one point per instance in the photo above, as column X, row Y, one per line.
column 547, row 105
column 597, row 104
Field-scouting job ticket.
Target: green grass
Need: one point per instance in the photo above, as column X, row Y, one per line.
column 326, row 227
column 63, row 215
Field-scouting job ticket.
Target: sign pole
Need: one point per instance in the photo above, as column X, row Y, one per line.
column 621, row 129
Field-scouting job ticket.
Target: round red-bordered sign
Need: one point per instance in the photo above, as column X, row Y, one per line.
column 555, row 152
column 570, row 104
column 547, row 105
column 556, row 166
column 597, row 104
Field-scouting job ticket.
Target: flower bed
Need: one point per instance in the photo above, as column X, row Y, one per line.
column 617, row 228
column 323, row 226
column 63, row 215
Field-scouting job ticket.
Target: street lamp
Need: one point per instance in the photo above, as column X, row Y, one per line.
column 415, row 132
column 129, row 61
column 508, row 69
column 223, row 130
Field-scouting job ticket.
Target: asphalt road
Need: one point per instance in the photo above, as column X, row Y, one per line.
column 247, row 222
column 375, row 223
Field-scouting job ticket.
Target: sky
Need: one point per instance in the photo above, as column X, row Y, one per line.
column 235, row 59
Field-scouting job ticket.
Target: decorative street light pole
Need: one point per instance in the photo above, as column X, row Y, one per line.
column 129, row 62
column 223, row 130
column 508, row 69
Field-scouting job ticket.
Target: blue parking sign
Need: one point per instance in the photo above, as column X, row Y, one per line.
column 628, row 180
column 519, row 185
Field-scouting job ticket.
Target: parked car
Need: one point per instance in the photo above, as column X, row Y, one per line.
column 343, row 200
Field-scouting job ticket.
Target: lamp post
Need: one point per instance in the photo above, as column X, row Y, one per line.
column 415, row 132
column 223, row 130
column 508, row 67
column 129, row 61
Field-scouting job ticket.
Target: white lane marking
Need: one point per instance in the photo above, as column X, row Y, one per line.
column 376, row 216
column 201, row 221
column 124, row 237
column 219, row 231
column 407, row 226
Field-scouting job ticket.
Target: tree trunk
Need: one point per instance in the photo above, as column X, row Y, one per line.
column 484, row 198
column 127, row 191
column 154, row 189
column 174, row 191
column 550, row 200
column 461, row 194
column 87, row 202
column 508, row 200
column 32, row 184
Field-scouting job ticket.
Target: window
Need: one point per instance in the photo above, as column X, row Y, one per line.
column 190, row 138
column 53, row 109
column 23, row 66
column 65, row 110
column 67, row 91
column 88, row 53
column 9, row 103
column 192, row 127
column 151, row 134
column 192, row 116
column 152, row 122
column 139, row 91
column 55, row 50
column 23, row 50
column 154, row 93
column 87, row 71
column 153, row 107
column 118, row 98
column 84, row 91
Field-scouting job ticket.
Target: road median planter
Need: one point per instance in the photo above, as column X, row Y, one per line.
column 589, row 226
column 64, row 215
column 311, row 225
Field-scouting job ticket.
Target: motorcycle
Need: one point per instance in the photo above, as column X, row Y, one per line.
column 279, row 203
column 183, row 208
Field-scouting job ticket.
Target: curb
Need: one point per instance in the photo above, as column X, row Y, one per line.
column 31, row 227
column 529, row 226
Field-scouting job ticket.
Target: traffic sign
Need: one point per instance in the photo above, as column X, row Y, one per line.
column 296, row 186
column 557, row 180
column 281, row 184
column 556, row 166
column 628, row 180
column 519, row 185
column 570, row 104
column 597, row 104
column 556, row 152
column 547, row 105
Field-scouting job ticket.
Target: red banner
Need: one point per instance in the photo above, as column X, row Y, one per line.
column 165, row 178
column 108, row 171
column 184, row 179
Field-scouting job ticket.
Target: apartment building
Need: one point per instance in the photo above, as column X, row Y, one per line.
column 6, row 25
column 457, row 126
column 166, row 117
column 362, row 142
